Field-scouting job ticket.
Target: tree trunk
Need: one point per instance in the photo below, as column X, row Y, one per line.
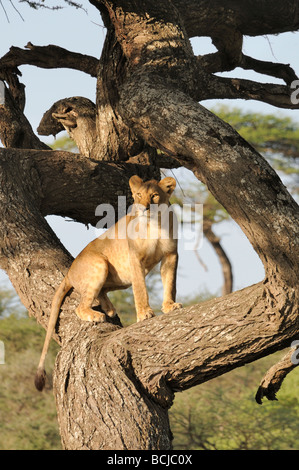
column 114, row 385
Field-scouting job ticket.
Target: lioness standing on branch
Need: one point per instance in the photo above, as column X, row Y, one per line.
column 122, row 257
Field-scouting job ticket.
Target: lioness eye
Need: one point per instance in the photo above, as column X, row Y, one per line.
column 138, row 195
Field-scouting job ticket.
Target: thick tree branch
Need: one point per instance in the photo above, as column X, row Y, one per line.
column 48, row 57
column 219, row 62
column 283, row 71
column 251, row 18
column 234, row 88
column 73, row 186
column 233, row 326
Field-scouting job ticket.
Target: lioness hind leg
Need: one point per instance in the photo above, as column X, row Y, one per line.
column 107, row 305
column 94, row 282
column 88, row 314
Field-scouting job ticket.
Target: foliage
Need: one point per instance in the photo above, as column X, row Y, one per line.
column 222, row 414
column 269, row 133
column 10, row 303
column 64, row 143
column 27, row 417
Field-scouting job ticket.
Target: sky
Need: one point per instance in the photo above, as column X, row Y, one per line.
column 83, row 32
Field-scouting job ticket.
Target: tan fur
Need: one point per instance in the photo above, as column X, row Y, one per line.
column 118, row 259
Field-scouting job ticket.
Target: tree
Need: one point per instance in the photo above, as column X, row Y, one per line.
column 114, row 385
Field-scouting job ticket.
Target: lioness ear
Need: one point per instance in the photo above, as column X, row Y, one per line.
column 168, row 184
column 135, row 182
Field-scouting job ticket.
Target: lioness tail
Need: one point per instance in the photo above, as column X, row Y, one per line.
column 40, row 377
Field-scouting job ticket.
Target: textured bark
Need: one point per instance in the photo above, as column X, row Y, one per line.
column 111, row 409
column 114, row 385
column 250, row 17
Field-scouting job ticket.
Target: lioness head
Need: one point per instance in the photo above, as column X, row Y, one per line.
column 151, row 192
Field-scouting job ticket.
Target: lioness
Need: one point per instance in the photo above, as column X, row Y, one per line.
column 122, row 257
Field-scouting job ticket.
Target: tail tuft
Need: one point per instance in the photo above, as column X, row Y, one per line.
column 40, row 379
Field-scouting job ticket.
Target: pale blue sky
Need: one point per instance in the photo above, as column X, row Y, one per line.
column 83, row 32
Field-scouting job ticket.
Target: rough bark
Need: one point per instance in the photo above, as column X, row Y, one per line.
column 114, row 385
column 251, row 18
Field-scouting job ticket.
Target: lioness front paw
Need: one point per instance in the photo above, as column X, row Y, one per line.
column 145, row 314
column 170, row 306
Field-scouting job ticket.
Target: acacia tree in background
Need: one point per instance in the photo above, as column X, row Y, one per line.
column 114, row 385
